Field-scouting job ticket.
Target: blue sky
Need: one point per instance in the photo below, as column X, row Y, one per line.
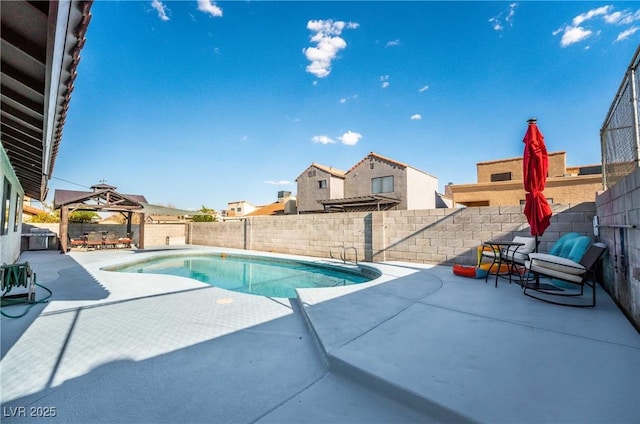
column 195, row 103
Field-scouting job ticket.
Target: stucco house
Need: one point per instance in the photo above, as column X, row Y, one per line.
column 41, row 44
column 374, row 183
column 500, row 183
column 316, row 183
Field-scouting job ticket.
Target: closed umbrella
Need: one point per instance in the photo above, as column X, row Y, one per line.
column 535, row 166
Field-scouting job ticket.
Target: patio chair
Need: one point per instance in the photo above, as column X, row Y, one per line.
column 507, row 255
column 110, row 240
column 125, row 241
column 576, row 274
column 94, row 240
column 77, row 242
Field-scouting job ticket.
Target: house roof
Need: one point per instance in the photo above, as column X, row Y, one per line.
column 383, row 158
column 389, row 161
column 328, row 169
column 40, row 49
column 276, row 208
column 30, row 210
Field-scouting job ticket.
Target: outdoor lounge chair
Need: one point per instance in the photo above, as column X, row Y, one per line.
column 576, row 274
column 110, row 240
column 94, row 240
column 509, row 254
column 77, row 242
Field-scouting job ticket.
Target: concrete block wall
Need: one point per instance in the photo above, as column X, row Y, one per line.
column 620, row 206
column 164, row 234
column 434, row 236
column 449, row 236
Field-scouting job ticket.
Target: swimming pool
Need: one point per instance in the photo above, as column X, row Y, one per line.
column 264, row 276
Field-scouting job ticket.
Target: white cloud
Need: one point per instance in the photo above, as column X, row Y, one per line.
column 210, row 7
column 626, row 34
column 281, row 182
column 350, row 138
column 573, row 35
column 578, row 20
column 161, row 9
column 343, row 100
column 326, row 36
column 622, row 18
column 322, row 139
column 384, row 80
column 392, row 43
column 584, row 25
column 498, row 22
column 244, row 138
column 423, row 89
column 416, row 117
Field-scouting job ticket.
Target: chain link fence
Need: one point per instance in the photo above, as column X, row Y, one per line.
column 620, row 133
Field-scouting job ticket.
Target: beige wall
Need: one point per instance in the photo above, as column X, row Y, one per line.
column 358, row 179
column 308, row 192
column 560, row 190
column 422, row 190
column 557, row 167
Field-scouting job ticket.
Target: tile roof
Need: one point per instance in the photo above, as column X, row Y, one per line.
column 276, row 208
column 328, row 169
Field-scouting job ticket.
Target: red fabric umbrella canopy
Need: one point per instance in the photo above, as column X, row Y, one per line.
column 535, row 167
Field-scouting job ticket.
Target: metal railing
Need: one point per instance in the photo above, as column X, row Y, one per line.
column 343, row 253
column 620, row 133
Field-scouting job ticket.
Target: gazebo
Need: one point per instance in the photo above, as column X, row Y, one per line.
column 105, row 198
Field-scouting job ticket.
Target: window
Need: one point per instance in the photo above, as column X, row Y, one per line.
column 590, row 170
column 503, row 176
column 322, row 184
column 382, row 185
column 6, row 207
column 311, row 173
column 239, row 210
column 16, row 217
column 371, row 165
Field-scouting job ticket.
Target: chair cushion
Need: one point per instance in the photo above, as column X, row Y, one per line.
column 544, row 261
column 559, row 246
column 529, row 244
column 579, row 246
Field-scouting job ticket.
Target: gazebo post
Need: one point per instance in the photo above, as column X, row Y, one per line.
column 141, row 232
column 129, row 218
column 64, row 228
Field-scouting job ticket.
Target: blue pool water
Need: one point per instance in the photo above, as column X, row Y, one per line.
column 250, row 274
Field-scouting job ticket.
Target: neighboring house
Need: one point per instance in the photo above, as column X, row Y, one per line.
column 374, row 183
column 285, row 205
column 238, row 209
column 500, row 182
column 316, row 183
column 41, row 44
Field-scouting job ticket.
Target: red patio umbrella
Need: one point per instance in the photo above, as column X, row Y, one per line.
column 535, row 166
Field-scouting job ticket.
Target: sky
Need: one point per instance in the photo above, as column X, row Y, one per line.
column 201, row 103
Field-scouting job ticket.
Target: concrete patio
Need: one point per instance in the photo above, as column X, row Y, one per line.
column 417, row 345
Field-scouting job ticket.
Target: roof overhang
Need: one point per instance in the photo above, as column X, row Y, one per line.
column 359, row 204
column 40, row 45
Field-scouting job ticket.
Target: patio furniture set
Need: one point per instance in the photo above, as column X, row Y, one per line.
column 101, row 240
column 570, row 264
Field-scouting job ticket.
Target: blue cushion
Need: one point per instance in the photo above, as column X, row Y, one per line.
column 560, row 247
column 579, row 247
